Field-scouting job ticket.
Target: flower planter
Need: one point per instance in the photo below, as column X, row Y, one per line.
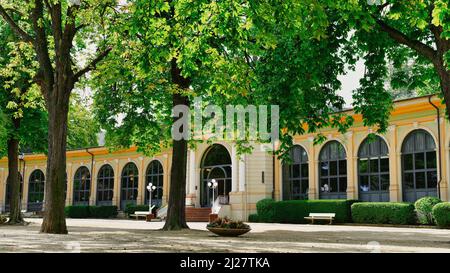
column 228, row 232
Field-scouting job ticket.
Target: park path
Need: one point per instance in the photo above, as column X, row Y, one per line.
column 92, row 235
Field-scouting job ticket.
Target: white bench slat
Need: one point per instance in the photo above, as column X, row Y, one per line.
column 322, row 215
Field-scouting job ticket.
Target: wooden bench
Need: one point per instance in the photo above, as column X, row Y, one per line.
column 321, row 216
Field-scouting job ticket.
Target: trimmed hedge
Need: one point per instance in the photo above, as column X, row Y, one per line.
column 77, row 211
column 441, row 214
column 90, row 211
column 424, row 207
column 295, row 211
column 103, row 211
column 253, row 218
column 383, row 213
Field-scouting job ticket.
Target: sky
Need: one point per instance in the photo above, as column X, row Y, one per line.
column 350, row 82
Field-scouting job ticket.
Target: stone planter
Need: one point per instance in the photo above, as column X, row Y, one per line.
column 228, row 232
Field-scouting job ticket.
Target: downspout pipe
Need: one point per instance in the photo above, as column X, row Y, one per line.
column 438, row 115
column 92, row 169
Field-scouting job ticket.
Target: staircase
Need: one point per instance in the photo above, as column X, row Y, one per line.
column 197, row 214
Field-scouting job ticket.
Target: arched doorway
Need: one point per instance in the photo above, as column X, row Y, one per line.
column 154, row 175
column 333, row 171
column 105, row 185
column 81, row 187
column 419, row 166
column 36, row 188
column 216, row 164
column 129, row 185
column 373, row 171
column 296, row 175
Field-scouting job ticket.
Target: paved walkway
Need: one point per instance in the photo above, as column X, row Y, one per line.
column 91, row 235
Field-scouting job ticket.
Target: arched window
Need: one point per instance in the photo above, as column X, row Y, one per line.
column 81, row 187
column 295, row 175
column 36, row 188
column 130, row 182
column 9, row 193
column 419, row 166
column 373, row 171
column 154, row 175
column 216, row 165
column 333, row 171
column 105, row 186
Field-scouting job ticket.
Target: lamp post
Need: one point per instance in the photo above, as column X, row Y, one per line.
column 150, row 189
column 212, row 185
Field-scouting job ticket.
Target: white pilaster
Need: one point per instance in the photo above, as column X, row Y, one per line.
column 242, row 173
column 192, row 171
column 234, row 169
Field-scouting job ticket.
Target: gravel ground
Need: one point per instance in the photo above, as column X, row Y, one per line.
column 91, row 235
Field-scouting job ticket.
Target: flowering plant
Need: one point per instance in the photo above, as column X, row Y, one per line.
column 227, row 223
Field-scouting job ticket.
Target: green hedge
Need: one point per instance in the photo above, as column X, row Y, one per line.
column 130, row 208
column 103, row 211
column 383, row 213
column 90, row 211
column 424, row 207
column 441, row 214
column 295, row 211
column 77, row 211
column 253, row 218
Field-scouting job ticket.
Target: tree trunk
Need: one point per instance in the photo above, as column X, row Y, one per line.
column 176, row 213
column 15, row 214
column 54, row 217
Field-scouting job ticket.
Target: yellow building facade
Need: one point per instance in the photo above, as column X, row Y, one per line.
column 409, row 161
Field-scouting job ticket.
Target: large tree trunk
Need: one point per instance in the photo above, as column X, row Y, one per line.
column 54, row 217
column 15, row 214
column 176, row 215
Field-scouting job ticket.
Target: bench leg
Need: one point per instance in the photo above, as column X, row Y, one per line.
column 312, row 221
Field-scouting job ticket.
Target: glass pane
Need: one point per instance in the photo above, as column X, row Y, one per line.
column 296, row 171
column 384, row 181
column 343, row 167
column 363, row 163
column 333, row 167
column 384, row 165
column 420, row 161
column 324, row 187
column 343, row 184
column 408, row 181
column 305, row 186
column 304, row 170
column 431, row 160
column 295, row 187
column 333, row 185
column 374, row 183
column 374, row 165
column 420, row 180
column 324, row 168
column 364, row 183
column 432, row 180
column 408, row 162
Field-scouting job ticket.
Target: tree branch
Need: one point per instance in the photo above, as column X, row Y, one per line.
column 20, row 32
column 93, row 64
column 398, row 36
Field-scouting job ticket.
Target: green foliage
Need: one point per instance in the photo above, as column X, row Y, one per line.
column 265, row 209
column 77, row 211
column 253, row 218
column 424, row 207
column 294, row 211
column 82, row 127
column 130, row 208
column 383, row 213
column 103, row 211
column 91, row 211
column 441, row 214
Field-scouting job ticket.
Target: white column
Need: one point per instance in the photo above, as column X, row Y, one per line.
column 242, row 173
column 234, row 169
column 192, row 171
column 188, row 174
